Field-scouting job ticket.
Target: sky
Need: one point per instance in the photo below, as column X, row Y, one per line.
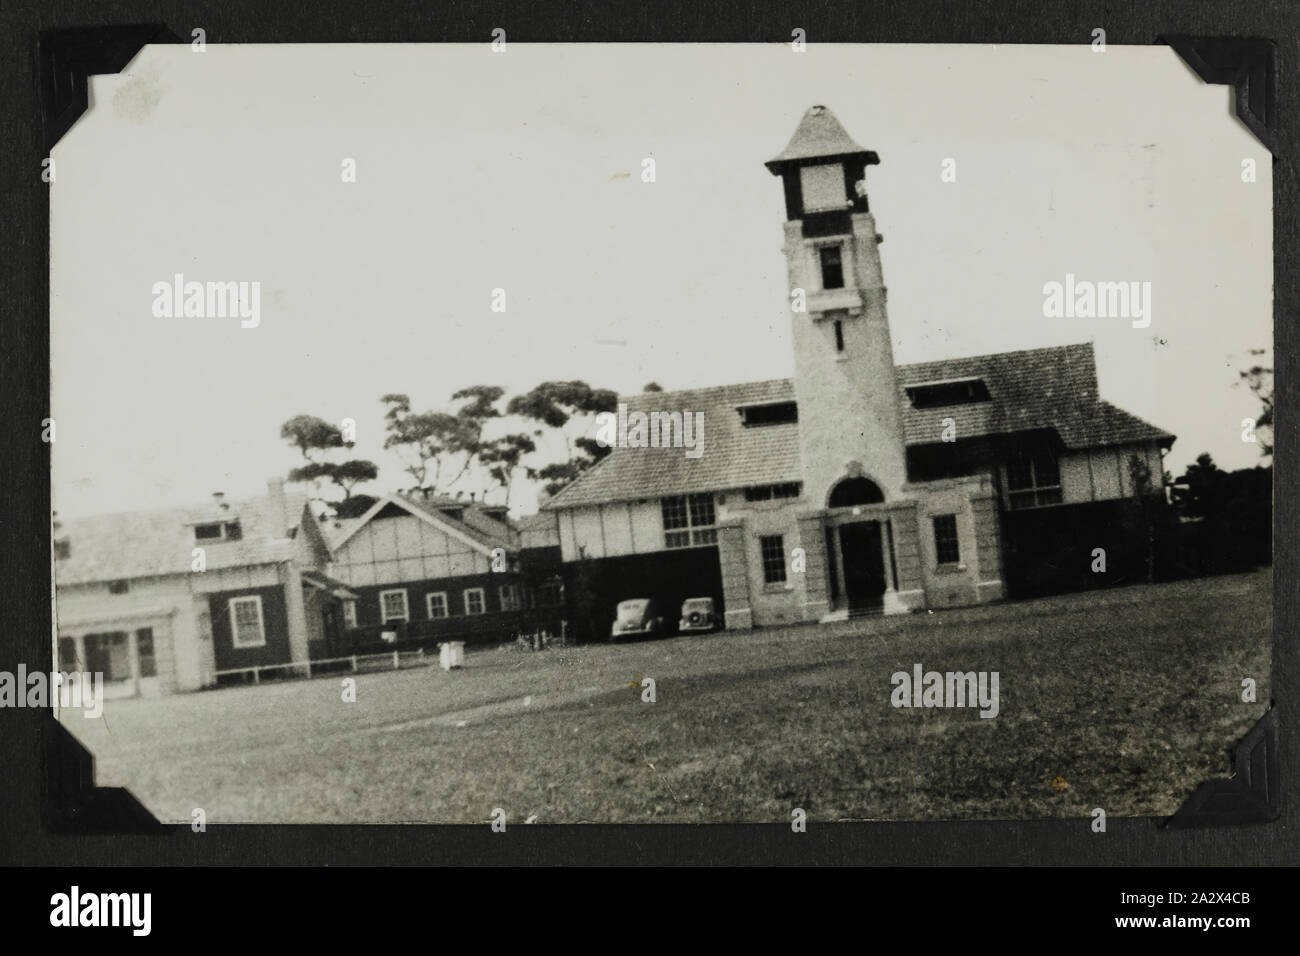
column 521, row 170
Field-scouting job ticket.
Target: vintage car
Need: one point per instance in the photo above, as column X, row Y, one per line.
column 699, row 614
column 638, row 616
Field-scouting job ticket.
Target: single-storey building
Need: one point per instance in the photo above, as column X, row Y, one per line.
column 172, row 599
column 859, row 486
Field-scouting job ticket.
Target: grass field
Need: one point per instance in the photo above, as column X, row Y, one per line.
column 1132, row 697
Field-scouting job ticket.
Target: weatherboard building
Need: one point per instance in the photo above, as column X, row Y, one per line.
column 860, row 486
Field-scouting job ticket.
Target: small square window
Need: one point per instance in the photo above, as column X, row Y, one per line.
column 509, row 597
column 474, row 603
column 436, row 605
column 247, row 628
column 393, row 606
column 119, row 587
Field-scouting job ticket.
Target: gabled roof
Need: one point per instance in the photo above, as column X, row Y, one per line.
column 473, row 528
column 137, row 544
column 818, row 136
column 1050, row 388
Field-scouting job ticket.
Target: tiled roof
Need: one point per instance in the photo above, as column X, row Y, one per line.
column 473, row 522
column 733, row 455
column 819, row 135
column 138, row 544
column 1052, row 388
column 1033, row 389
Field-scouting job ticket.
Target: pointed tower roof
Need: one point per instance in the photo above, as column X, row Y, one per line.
column 819, row 136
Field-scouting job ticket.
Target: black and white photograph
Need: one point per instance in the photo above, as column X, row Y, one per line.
column 794, row 433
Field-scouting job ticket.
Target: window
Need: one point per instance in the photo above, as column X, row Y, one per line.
column 349, row 613
column 946, row 547
column 218, row 531
column 435, row 604
column 832, row 263
column 393, row 606
column 839, row 336
column 246, row 626
column 938, row 394
column 62, row 550
column 1033, row 479
column 509, row 597
column 119, row 587
column 474, row 601
column 791, row 489
column 772, row 548
column 144, row 648
column 775, row 413
column 688, row 521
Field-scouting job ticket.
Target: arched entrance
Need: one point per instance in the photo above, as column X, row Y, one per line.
column 855, row 491
column 857, row 548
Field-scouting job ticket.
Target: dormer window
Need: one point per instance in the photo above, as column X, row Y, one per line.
column 832, row 266
column 956, row 392
column 775, row 413
column 218, row 531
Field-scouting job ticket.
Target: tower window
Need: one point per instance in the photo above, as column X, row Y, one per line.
column 839, row 336
column 832, row 261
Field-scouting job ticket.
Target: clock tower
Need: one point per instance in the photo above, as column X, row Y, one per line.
column 850, row 423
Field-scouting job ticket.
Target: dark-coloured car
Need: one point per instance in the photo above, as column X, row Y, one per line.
column 638, row 616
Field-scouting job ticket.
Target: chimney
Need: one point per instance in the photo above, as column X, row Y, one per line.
column 220, row 498
column 278, row 510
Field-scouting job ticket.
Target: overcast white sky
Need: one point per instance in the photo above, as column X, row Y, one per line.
column 521, row 170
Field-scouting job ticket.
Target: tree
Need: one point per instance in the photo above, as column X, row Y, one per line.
column 653, row 387
column 442, row 449
column 1259, row 379
column 1201, row 492
column 570, row 405
column 318, row 442
column 503, row 457
column 1151, row 501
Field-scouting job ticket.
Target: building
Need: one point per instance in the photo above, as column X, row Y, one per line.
column 175, row 599
column 426, row 567
column 859, row 486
